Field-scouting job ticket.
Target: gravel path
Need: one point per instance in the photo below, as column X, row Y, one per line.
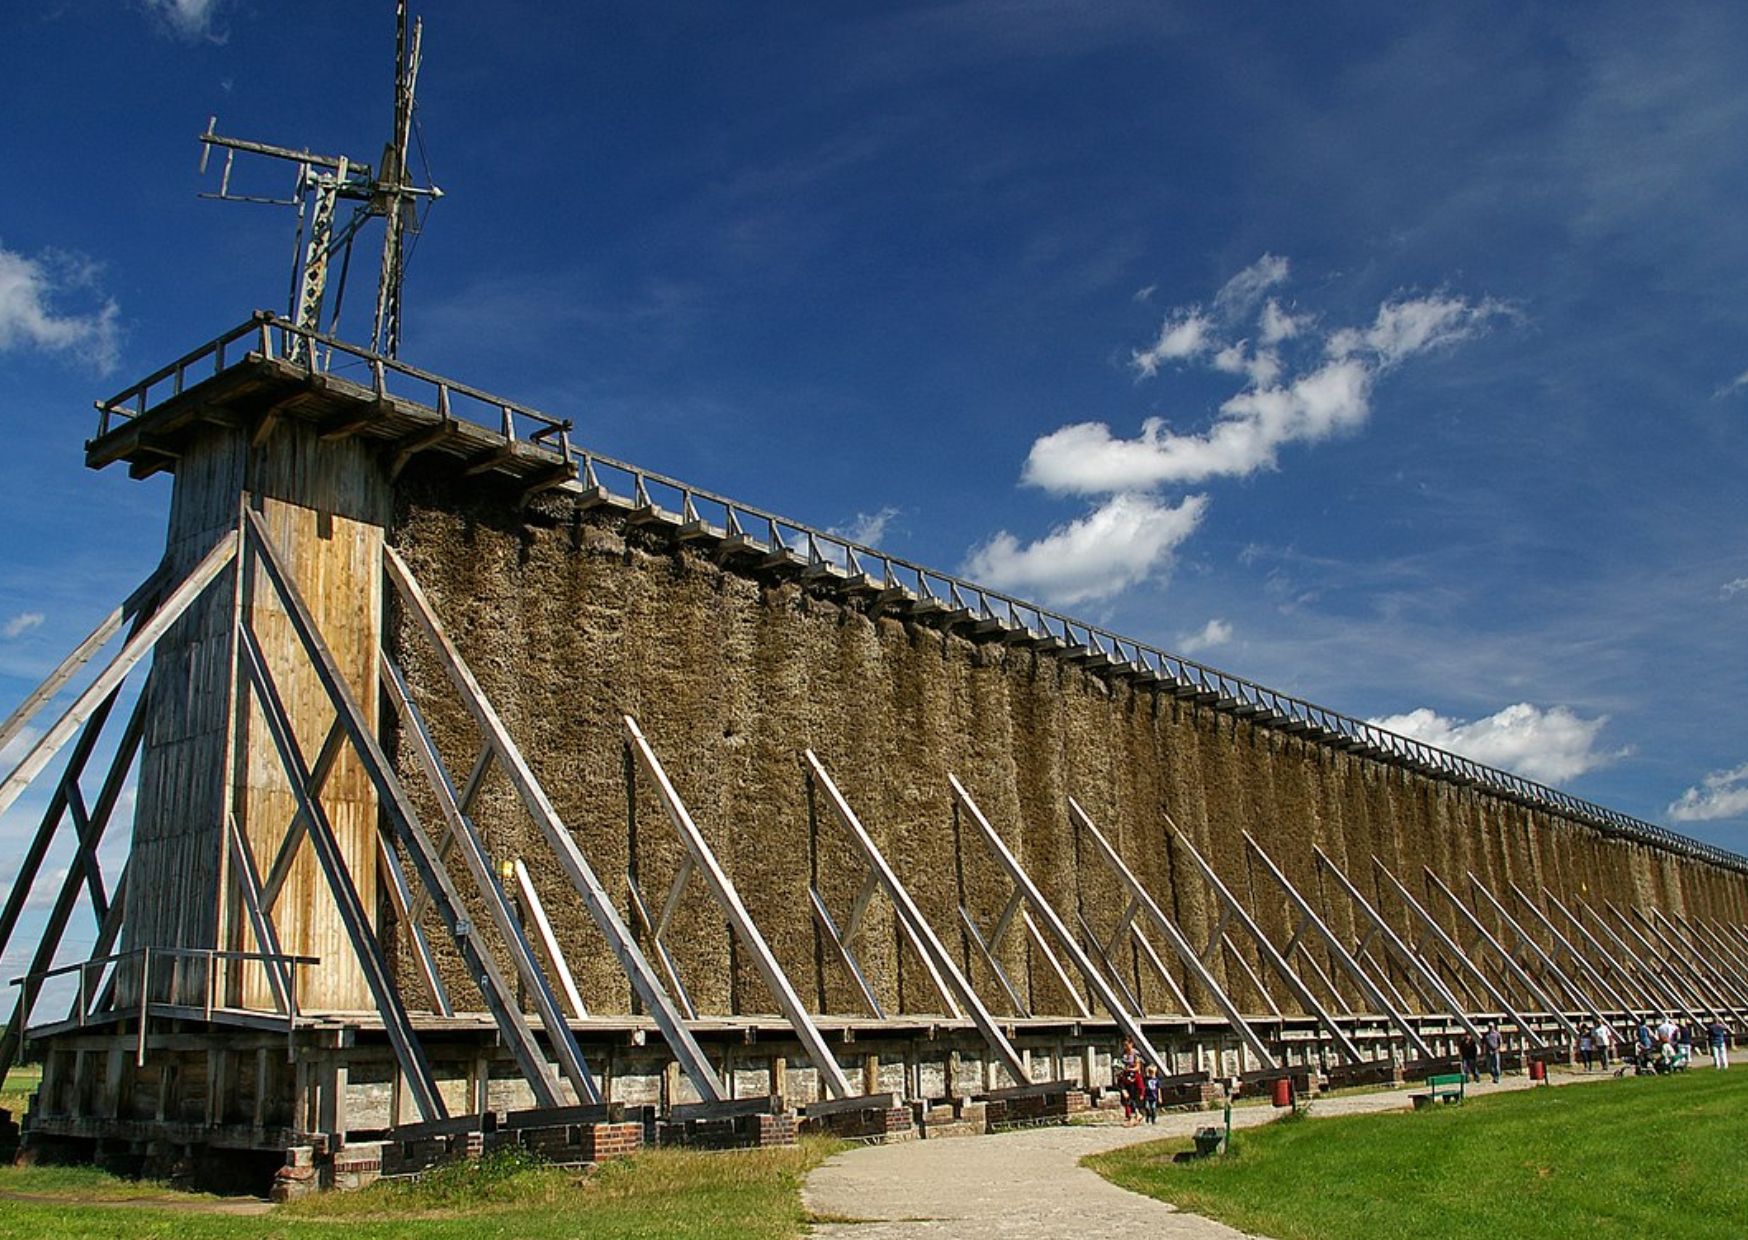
column 1029, row 1185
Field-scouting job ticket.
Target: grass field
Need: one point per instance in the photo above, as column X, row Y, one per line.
column 745, row 1195
column 1644, row 1156
column 20, row 1083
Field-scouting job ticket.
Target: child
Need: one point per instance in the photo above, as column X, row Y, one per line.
column 1150, row 1098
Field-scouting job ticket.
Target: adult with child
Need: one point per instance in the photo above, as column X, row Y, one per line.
column 1129, row 1083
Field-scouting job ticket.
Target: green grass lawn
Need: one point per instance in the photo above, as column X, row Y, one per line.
column 1643, row 1156
column 751, row 1194
column 20, row 1083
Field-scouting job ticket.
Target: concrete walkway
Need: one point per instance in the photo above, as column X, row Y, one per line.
column 1029, row 1185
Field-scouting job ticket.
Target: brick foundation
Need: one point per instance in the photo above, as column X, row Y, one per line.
column 883, row 1125
column 733, row 1132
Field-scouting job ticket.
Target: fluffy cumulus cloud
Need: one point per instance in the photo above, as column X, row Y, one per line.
column 32, row 291
column 1722, row 794
column 1298, row 382
column 1214, row 633
column 1120, row 542
column 1551, row 746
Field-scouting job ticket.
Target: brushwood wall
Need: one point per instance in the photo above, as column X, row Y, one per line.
column 574, row 620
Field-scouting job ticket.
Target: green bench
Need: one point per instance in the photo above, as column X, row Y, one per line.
column 1440, row 1089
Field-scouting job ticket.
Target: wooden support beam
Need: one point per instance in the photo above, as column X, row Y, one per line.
column 728, row 899
column 353, row 916
column 1696, row 984
column 1666, row 998
column 1617, row 963
column 494, row 989
column 1697, row 965
column 840, row 948
column 143, row 599
column 1591, row 973
column 401, row 897
column 1455, row 954
column 569, row 855
column 1405, row 955
column 934, row 955
column 1572, row 990
column 1095, row 981
column 1337, row 952
column 1276, row 961
column 548, row 940
column 260, row 918
column 1730, row 957
column 1506, row 960
column 136, row 647
column 55, row 925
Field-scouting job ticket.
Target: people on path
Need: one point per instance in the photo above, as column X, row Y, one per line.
column 1129, row 1083
column 1469, row 1051
column 1586, row 1047
column 1720, row 1040
column 1492, row 1041
column 1150, row 1094
column 1604, row 1035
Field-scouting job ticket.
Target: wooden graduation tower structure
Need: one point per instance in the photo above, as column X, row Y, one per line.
column 361, row 927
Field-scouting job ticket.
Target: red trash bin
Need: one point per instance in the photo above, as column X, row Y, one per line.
column 1538, row 1070
column 1284, row 1092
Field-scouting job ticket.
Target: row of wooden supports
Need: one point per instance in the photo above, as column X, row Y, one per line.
column 1657, row 964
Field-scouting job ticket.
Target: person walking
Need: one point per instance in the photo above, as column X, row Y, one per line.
column 1586, row 1047
column 1492, row 1041
column 1150, row 1094
column 1129, row 1083
column 1469, row 1051
column 1720, row 1040
column 1604, row 1036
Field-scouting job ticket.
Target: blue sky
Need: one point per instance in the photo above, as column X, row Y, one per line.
column 1396, row 356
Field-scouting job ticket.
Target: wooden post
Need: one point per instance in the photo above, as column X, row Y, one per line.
column 779, row 1074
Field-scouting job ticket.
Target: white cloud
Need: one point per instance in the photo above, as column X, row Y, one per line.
column 21, row 624
column 1734, row 385
column 1145, row 294
column 1296, row 384
column 1125, row 540
column 1732, row 588
column 1722, row 794
column 192, row 19
column 1277, row 325
column 1552, row 745
column 1214, row 633
column 868, row 528
column 1415, row 325
column 1183, row 335
column 1239, row 295
column 29, row 288
column 1087, row 459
